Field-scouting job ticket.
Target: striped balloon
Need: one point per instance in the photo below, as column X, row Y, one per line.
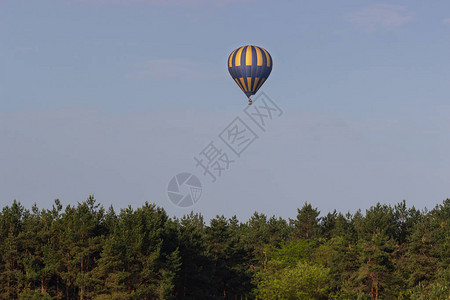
column 250, row 66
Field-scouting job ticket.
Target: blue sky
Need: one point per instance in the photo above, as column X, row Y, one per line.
column 113, row 98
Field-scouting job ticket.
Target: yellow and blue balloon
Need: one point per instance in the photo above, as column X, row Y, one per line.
column 250, row 66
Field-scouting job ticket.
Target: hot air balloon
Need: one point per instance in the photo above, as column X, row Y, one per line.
column 249, row 66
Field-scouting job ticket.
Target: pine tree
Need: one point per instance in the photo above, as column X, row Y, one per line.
column 11, row 223
column 306, row 225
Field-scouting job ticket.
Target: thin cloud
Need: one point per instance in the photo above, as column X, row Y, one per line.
column 380, row 16
column 172, row 69
column 171, row 2
column 446, row 21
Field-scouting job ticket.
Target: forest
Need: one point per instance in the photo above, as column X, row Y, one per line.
column 85, row 251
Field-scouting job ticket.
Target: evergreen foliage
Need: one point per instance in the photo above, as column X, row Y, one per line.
column 87, row 252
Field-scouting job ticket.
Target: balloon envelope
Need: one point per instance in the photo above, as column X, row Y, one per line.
column 250, row 66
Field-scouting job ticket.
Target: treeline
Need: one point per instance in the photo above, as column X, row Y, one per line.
column 87, row 252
